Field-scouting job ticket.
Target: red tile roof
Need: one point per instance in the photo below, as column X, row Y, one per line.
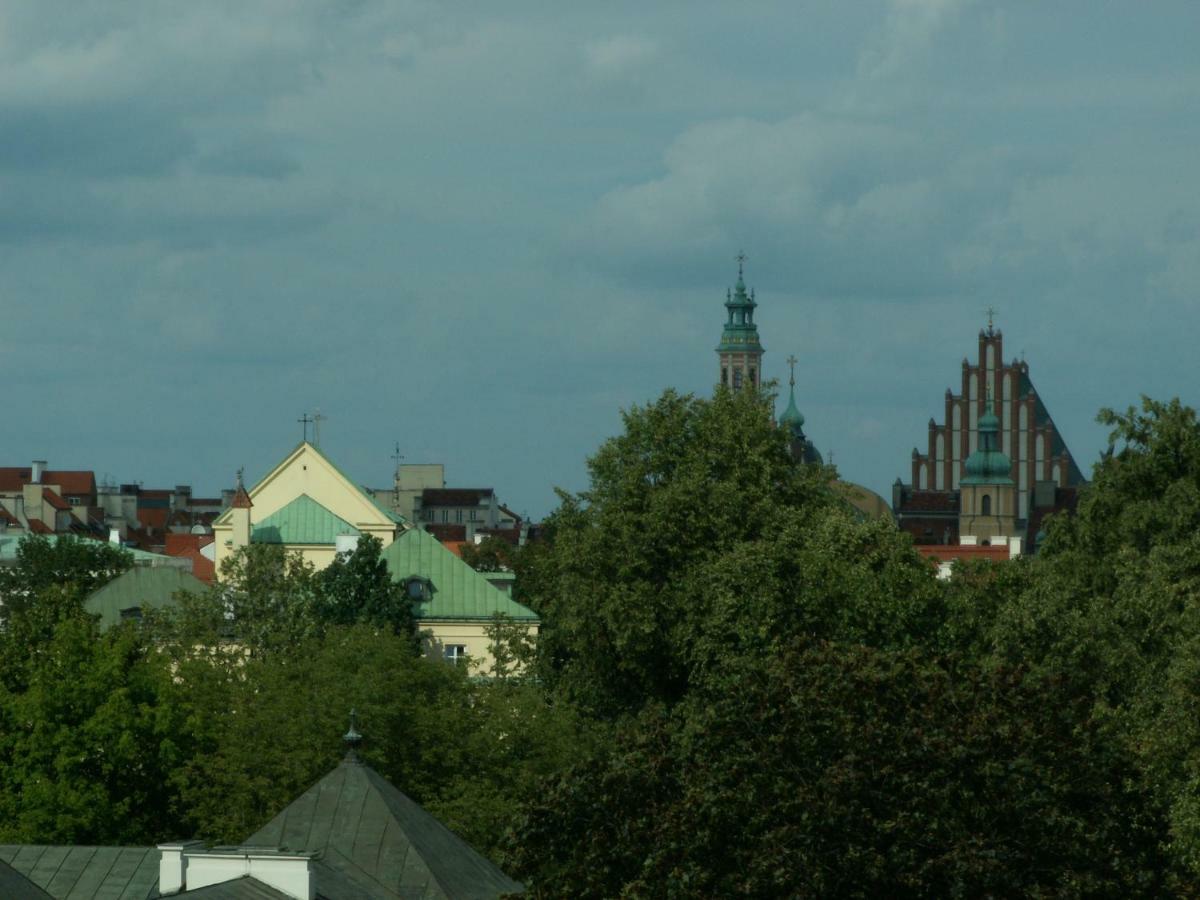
column 8, row 518
column 241, row 500
column 447, row 532
column 454, row 547
column 54, row 500
column 153, row 518
column 37, row 526
column 188, row 546
column 13, row 478
column 511, row 535
column 928, row 501
column 964, row 552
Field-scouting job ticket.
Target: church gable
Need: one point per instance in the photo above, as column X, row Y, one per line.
column 306, row 472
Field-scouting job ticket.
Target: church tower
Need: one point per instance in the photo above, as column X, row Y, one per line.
column 739, row 352
column 987, row 496
column 792, row 421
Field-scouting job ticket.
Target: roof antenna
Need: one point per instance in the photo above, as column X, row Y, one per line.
column 352, row 738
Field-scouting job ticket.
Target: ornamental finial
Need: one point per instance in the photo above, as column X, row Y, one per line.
column 741, row 258
column 791, row 361
column 240, row 472
column 991, row 314
column 352, row 738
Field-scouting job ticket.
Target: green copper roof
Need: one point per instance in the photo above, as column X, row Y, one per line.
column 303, row 521
column 380, row 840
column 792, row 418
column 85, row 873
column 8, row 552
column 740, row 334
column 459, row 592
column 142, row 588
column 988, row 465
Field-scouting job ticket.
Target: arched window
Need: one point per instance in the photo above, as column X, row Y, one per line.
column 737, row 379
column 753, row 382
column 985, row 505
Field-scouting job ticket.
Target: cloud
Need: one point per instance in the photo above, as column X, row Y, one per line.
column 616, row 57
column 906, row 37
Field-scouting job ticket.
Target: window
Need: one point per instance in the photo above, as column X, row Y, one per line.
column 752, row 381
column 985, row 505
column 737, row 379
column 445, row 516
column 725, row 375
column 455, row 653
column 458, row 515
column 417, row 588
column 474, row 515
column 131, row 614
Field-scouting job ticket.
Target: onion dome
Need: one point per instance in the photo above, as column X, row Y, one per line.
column 987, row 465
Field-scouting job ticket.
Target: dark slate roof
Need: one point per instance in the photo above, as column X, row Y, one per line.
column 87, row 873
column 377, row 839
column 15, row 886
column 244, row 888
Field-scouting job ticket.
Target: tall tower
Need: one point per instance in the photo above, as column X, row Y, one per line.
column 740, row 352
column 987, row 495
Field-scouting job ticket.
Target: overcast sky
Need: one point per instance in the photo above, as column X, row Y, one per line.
column 482, row 229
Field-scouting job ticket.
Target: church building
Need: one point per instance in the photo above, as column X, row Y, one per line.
column 996, row 440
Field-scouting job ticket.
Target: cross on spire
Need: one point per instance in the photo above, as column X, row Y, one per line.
column 791, row 361
column 317, row 419
column 741, row 259
column 240, row 473
column 352, row 737
column 397, row 455
column 991, row 314
column 305, row 421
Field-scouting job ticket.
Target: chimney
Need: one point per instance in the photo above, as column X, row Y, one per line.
column 172, row 865
column 38, row 470
column 290, row 874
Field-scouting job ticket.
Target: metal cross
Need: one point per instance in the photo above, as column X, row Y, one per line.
column 991, row 313
column 791, row 361
column 741, row 258
column 397, row 455
column 317, row 420
column 241, row 471
column 305, row 421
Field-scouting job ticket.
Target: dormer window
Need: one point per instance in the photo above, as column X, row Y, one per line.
column 418, row 589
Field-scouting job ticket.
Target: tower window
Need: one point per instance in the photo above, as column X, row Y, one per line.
column 737, row 379
column 725, row 375
column 985, row 505
column 753, row 379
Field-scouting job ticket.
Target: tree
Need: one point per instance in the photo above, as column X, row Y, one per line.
column 492, row 554
column 357, row 587
column 841, row 770
column 700, row 540
column 90, row 740
column 42, row 563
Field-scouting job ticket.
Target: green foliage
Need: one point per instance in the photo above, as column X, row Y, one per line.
column 700, row 540
column 42, row 563
column 357, row 587
column 838, row 770
column 90, row 740
column 492, row 554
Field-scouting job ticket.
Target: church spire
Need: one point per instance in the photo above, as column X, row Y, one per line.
column 740, row 352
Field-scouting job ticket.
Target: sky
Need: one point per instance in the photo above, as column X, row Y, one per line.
column 481, row 230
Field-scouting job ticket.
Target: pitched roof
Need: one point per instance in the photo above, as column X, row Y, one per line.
column 244, row 888
column 54, row 499
column 37, row 526
column 303, row 521
column 140, row 587
column 459, row 592
column 85, row 873
column 964, row 552
column 447, row 531
column 392, row 516
column 13, row 478
column 371, row 834
column 15, row 886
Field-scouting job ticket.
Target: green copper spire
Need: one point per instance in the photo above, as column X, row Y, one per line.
column 987, row 465
column 740, row 334
column 792, row 419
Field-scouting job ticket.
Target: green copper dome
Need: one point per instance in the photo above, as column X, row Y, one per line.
column 792, row 419
column 988, row 465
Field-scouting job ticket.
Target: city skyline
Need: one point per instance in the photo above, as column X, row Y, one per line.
column 481, row 233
